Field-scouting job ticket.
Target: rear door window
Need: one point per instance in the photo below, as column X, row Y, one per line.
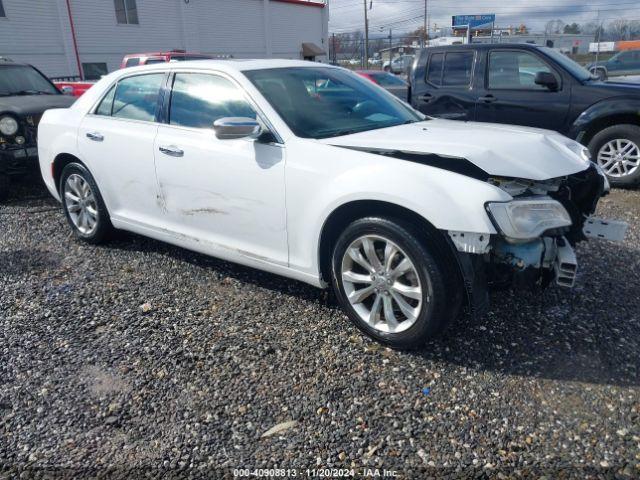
column 136, row 98
column 434, row 70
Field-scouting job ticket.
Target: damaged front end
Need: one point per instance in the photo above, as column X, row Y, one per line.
column 537, row 231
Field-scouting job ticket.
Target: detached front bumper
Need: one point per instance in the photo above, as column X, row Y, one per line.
column 18, row 160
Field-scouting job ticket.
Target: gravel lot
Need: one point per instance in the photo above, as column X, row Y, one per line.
column 138, row 357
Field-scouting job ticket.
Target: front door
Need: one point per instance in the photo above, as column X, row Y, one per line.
column 225, row 194
column 117, row 140
column 510, row 94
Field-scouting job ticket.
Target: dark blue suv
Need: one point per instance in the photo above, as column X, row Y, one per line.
column 622, row 63
column 534, row 86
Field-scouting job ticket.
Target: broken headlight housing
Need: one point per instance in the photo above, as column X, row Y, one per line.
column 528, row 218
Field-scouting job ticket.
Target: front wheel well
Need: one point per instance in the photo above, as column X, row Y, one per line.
column 61, row 161
column 335, row 224
column 605, row 122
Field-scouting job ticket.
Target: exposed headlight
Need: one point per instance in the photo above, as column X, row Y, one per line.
column 528, row 218
column 8, row 125
column 580, row 150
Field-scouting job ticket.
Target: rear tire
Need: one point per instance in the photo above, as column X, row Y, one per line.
column 5, row 183
column 617, row 150
column 402, row 310
column 83, row 205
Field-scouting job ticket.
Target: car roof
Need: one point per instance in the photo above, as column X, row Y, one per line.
column 485, row 46
column 238, row 65
column 170, row 52
column 372, row 72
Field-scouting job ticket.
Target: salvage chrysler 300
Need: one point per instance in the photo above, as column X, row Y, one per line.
column 313, row 173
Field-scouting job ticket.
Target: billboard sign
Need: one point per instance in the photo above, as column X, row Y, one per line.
column 475, row 22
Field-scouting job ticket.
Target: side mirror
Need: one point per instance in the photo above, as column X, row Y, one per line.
column 67, row 90
column 546, row 79
column 229, row 128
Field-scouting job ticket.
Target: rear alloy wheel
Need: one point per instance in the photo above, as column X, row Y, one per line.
column 617, row 150
column 83, row 205
column 390, row 284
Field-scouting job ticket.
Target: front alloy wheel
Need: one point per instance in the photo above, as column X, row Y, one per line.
column 617, row 150
column 619, row 157
column 395, row 281
column 382, row 284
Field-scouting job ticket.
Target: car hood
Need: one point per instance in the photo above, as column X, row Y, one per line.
column 620, row 87
column 498, row 150
column 22, row 105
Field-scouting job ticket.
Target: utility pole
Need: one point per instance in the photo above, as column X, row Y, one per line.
column 424, row 35
column 366, row 36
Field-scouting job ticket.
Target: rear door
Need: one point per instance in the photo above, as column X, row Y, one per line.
column 445, row 89
column 116, row 139
column 509, row 94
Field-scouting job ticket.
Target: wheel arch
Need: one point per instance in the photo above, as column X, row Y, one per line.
column 348, row 212
column 57, row 166
column 606, row 114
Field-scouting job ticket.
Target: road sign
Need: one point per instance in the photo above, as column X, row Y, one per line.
column 475, row 22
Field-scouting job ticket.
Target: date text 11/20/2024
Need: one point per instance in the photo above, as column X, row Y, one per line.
column 314, row 473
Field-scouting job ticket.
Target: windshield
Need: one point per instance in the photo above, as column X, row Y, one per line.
column 574, row 68
column 24, row 80
column 321, row 102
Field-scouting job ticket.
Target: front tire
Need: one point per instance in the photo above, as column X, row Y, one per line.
column 83, row 205
column 617, row 150
column 392, row 285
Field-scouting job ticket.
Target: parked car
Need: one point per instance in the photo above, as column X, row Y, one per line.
column 78, row 88
column 261, row 163
column 25, row 93
column 386, row 80
column 537, row 87
column 136, row 59
column 71, row 87
column 626, row 62
column 399, row 65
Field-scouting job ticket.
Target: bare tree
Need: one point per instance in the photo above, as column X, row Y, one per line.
column 618, row 29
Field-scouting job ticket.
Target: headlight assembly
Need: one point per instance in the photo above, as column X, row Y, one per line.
column 580, row 150
column 526, row 219
column 8, row 125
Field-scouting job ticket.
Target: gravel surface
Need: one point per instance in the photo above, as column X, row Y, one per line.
column 141, row 358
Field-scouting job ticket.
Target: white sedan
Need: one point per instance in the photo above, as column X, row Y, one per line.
column 310, row 172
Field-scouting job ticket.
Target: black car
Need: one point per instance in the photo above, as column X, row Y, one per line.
column 25, row 93
column 533, row 86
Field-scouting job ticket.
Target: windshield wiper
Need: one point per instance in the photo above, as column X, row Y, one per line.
column 31, row 92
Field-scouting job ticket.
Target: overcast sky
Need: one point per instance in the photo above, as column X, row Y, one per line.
column 405, row 15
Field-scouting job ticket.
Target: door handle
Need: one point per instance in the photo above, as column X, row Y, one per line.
column 487, row 99
column 427, row 97
column 171, row 150
column 95, row 136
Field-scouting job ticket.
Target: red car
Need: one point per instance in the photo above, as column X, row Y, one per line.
column 388, row 81
column 75, row 89
column 135, row 59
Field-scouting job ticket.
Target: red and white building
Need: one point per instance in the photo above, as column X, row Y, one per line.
column 90, row 37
